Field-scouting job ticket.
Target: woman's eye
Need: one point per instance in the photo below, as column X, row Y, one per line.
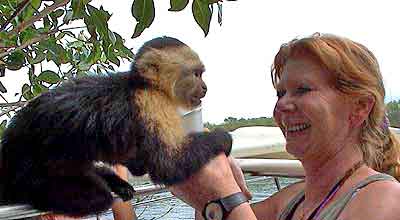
column 302, row 90
column 280, row 94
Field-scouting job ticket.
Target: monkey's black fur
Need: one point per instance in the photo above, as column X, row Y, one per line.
column 49, row 147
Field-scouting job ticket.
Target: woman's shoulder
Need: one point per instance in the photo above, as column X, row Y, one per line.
column 271, row 207
column 378, row 200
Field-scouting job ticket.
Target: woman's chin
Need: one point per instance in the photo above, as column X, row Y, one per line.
column 295, row 150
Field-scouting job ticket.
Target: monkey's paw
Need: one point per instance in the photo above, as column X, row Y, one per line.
column 125, row 192
column 224, row 140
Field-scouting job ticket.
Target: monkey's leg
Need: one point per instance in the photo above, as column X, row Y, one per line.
column 169, row 165
column 73, row 195
column 119, row 186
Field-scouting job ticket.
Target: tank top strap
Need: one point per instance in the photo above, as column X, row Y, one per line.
column 287, row 213
column 333, row 211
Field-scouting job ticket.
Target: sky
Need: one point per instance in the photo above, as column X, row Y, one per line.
column 238, row 55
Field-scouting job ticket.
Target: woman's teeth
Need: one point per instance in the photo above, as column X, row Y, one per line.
column 299, row 127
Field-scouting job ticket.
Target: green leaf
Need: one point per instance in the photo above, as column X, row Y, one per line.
column 26, row 92
column 178, row 5
column 111, row 56
column 3, row 127
column 202, row 14
column 49, row 77
column 30, row 9
column 143, row 11
column 95, row 54
column 112, row 37
column 76, row 44
column 98, row 18
column 84, row 66
column 61, row 36
column 15, row 60
column 78, row 8
column 28, row 34
column 38, row 58
column 2, row 88
column 56, row 52
column 8, row 41
column 46, row 23
column 38, row 89
column 57, row 13
column 68, row 16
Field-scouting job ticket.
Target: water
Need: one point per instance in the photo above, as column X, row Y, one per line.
column 174, row 209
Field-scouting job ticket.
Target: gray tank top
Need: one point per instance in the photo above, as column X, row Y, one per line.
column 332, row 211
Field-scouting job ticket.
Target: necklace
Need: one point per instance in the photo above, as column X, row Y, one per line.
column 333, row 191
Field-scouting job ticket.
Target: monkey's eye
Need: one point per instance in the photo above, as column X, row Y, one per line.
column 198, row 73
column 280, row 93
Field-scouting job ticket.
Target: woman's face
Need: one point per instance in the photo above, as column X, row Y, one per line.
column 312, row 114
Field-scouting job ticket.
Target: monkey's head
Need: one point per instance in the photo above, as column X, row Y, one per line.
column 174, row 68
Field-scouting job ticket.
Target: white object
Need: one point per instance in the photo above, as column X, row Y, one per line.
column 272, row 167
column 193, row 120
column 259, row 142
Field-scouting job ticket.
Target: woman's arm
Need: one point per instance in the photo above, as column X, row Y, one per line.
column 214, row 181
column 123, row 210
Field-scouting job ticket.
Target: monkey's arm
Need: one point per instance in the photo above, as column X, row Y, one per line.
column 171, row 167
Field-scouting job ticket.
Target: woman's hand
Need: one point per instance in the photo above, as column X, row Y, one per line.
column 215, row 180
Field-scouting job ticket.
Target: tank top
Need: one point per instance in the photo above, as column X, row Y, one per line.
column 332, row 211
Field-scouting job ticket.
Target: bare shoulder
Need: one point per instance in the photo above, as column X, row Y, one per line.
column 378, row 200
column 274, row 205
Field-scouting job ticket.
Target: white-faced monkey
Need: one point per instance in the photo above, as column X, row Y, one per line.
column 50, row 146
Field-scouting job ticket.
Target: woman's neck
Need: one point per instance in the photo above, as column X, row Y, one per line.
column 324, row 172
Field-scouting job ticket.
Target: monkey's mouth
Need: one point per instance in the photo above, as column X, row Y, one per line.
column 196, row 101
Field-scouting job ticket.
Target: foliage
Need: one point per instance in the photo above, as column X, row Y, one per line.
column 393, row 113
column 54, row 40
column 143, row 11
column 231, row 123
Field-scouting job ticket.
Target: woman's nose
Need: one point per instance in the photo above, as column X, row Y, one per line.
column 285, row 104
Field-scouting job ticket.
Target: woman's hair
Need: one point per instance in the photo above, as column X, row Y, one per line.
column 356, row 73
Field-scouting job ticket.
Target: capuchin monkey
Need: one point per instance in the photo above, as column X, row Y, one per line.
column 50, row 146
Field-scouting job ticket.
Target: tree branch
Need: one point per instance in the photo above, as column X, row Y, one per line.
column 9, row 110
column 41, row 15
column 20, row 8
column 71, row 28
column 29, row 42
column 11, row 104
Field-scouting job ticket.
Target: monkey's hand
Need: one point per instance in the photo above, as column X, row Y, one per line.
column 169, row 166
column 224, row 140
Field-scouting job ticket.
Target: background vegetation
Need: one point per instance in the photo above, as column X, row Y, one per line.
column 393, row 113
column 231, row 123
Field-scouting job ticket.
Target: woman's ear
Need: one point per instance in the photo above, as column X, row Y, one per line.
column 362, row 107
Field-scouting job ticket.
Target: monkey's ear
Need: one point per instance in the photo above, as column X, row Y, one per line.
column 150, row 61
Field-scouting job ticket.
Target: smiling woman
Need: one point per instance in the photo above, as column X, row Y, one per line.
column 330, row 109
column 334, row 73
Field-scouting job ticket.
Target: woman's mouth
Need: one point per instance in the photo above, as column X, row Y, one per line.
column 295, row 130
column 297, row 127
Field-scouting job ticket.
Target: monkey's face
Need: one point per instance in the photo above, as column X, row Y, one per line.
column 177, row 71
column 189, row 87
